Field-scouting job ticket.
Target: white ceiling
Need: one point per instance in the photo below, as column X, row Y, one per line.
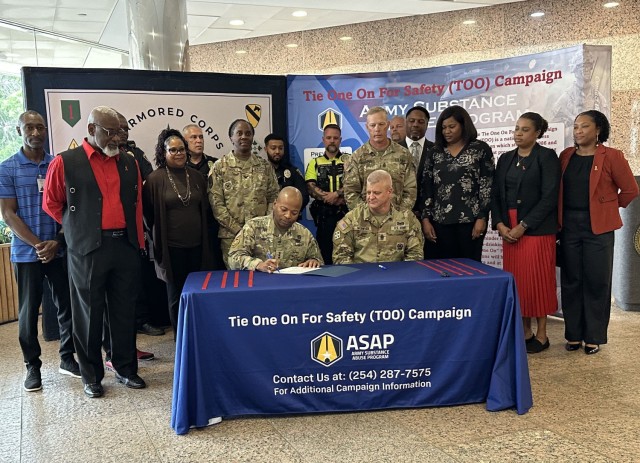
column 101, row 25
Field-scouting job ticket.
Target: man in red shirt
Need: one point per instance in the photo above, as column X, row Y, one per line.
column 95, row 193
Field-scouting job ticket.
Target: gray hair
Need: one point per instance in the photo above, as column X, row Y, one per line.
column 378, row 176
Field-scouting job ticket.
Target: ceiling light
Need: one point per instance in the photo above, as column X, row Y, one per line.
column 537, row 14
column 299, row 14
column 468, row 22
column 241, row 52
column 291, row 45
column 346, row 38
column 611, row 4
column 236, row 22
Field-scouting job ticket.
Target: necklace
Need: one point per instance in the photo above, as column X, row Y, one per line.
column 521, row 160
column 185, row 201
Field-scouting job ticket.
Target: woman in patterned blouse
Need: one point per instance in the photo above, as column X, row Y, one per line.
column 457, row 180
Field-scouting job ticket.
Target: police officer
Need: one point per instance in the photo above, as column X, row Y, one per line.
column 378, row 231
column 286, row 173
column 324, row 182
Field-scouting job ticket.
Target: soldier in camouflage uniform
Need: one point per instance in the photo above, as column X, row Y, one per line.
column 380, row 153
column 241, row 186
column 378, row 231
column 276, row 240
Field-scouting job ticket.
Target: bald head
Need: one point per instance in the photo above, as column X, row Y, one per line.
column 286, row 208
column 290, row 193
column 397, row 128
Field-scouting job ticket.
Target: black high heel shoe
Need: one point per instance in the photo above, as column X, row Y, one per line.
column 572, row 347
column 590, row 350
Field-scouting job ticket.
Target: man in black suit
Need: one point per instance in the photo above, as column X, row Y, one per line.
column 417, row 121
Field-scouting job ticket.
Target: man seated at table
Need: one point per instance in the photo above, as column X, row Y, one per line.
column 276, row 241
column 377, row 231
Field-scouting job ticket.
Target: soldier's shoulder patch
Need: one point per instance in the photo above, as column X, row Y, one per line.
column 337, row 235
column 342, row 225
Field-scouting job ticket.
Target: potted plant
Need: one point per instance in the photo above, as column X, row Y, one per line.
column 8, row 288
column 5, row 232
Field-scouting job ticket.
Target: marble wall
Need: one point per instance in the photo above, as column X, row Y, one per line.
column 442, row 39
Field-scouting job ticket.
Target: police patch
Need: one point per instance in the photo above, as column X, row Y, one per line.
column 287, row 173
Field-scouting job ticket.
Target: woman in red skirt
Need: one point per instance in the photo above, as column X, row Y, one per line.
column 524, row 211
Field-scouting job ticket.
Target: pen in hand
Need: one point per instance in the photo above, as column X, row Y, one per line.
column 270, row 256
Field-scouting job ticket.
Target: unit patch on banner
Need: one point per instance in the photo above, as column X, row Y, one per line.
column 70, row 111
column 253, row 113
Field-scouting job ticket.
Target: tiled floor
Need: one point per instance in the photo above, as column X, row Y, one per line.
column 586, row 409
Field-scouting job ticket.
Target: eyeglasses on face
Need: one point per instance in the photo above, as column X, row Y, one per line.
column 112, row 132
column 174, row 151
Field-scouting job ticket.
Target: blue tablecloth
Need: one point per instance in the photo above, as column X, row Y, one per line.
column 398, row 336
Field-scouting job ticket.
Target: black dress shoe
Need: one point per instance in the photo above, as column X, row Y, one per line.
column 535, row 346
column 94, row 390
column 590, row 350
column 150, row 330
column 133, row 381
column 571, row 346
column 530, row 340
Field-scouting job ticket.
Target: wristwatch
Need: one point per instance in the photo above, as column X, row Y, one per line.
column 524, row 224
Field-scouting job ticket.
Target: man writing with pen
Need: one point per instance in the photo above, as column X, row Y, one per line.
column 276, row 241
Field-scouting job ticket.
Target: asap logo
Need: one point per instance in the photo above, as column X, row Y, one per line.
column 369, row 342
column 370, row 346
column 327, row 348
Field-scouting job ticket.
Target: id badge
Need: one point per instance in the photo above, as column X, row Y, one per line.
column 40, row 183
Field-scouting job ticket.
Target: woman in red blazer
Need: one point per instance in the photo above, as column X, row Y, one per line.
column 596, row 181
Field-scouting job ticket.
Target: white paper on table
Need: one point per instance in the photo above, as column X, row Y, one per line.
column 295, row 270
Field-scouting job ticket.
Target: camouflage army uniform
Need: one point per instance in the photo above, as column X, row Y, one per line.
column 239, row 191
column 363, row 237
column 260, row 237
column 396, row 160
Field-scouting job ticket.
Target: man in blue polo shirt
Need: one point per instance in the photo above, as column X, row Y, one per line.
column 35, row 248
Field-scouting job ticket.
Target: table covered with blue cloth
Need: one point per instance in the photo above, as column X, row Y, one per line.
column 401, row 334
